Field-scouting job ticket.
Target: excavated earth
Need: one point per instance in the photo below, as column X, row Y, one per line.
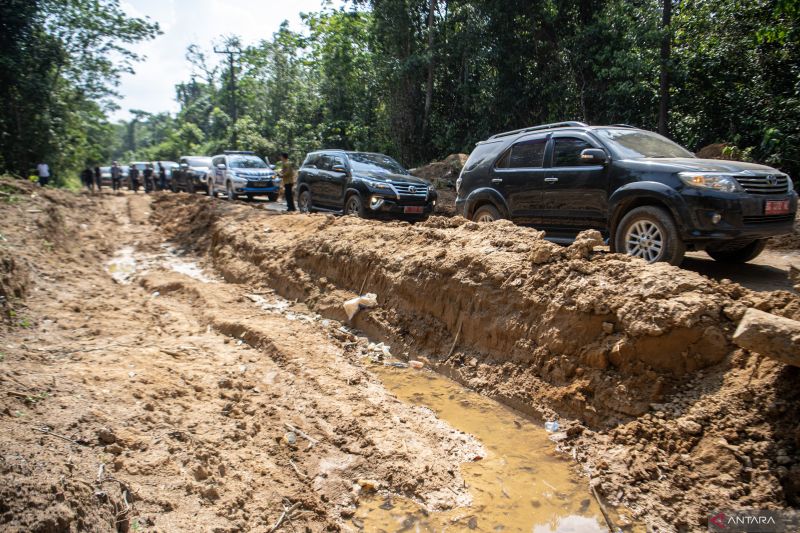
column 184, row 388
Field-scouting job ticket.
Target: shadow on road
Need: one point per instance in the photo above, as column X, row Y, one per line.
column 758, row 277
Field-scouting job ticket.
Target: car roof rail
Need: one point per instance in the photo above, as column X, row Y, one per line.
column 238, row 152
column 623, row 126
column 568, row 124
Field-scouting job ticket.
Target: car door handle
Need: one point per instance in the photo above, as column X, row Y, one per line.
column 551, row 180
column 497, row 180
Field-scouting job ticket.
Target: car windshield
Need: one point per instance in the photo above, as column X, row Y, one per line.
column 375, row 163
column 198, row 161
column 639, row 144
column 246, row 161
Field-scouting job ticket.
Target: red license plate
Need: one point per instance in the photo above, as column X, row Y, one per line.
column 419, row 210
column 776, row 207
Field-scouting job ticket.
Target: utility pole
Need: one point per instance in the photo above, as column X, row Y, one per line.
column 234, row 111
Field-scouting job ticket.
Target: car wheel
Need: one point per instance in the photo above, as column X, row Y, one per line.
column 172, row 186
column 737, row 252
column 272, row 197
column 212, row 191
column 354, row 206
column 650, row 233
column 486, row 213
column 231, row 195
column 190, row 188
column 304, row 201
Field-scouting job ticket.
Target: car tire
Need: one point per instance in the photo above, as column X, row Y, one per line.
column 190, row 188
column 486, row 213
column 354, row 206
column 649, row 233
column 232, row 196
column 212, row 191
column 304, row 201
column 172, row 186
column 272, row 197
column 740, row 254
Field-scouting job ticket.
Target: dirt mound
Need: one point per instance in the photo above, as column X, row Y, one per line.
column 790, row 241
column 443, row 175
column 638, row 356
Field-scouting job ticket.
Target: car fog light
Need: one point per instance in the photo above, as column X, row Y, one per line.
column 715, row 218
column 375, row 202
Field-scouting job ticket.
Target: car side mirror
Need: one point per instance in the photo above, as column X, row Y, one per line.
column 594, row 156
column 221, row 166
column 339, row 168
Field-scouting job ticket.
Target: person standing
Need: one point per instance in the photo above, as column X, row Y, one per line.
column 87, row 176
column 43, row 170
column 288, row 173
column 98, row 178
column 148, row 177
column 116, row 176
column 134, row 177
column 162, row 177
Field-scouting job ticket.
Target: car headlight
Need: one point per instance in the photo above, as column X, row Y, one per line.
column 379, row 185
column 709, row 180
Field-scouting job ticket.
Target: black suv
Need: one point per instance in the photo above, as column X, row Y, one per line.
column 362, row 184
column 650, row 197
column 191, row 174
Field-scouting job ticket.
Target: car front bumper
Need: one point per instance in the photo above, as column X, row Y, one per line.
column 720, row 216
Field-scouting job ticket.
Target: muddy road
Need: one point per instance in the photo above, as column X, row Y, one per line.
column 175, row 363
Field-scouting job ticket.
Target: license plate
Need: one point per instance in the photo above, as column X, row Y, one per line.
column 776, row 207
column 414, row 210
column 261, row 185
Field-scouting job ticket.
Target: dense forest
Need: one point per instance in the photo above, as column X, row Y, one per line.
column 416, row 79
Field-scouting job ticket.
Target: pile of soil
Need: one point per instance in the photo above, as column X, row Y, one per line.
column 669, row 418
column 443, row 175
column 789, row 242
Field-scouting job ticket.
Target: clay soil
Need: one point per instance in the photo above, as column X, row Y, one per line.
column 161, row 399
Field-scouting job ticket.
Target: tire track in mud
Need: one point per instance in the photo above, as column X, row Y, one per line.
column 664, row 413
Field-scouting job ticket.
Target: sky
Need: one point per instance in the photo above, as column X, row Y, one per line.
column 202, row 22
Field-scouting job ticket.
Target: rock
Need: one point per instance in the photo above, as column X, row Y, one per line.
column 584, row 244
column 608, row 328
column 794, row 275
column 689, row 427
column 769, row 335
column 106, row 436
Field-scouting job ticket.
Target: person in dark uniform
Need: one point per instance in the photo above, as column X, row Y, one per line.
column 162, row 177
column 148, row 177
column 87, row 177
column 116, row 176
column 134, row 177
column 98, row 178
column 288, row 173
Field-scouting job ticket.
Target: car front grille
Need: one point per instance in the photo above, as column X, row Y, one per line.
column 764, row 185
column 411, row 189
column 768, row 219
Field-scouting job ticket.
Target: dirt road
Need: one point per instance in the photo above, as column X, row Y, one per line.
column 184, row 361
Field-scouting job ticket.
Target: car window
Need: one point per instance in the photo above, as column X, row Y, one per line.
column 526, row 154
column 324, row 162
column 375, row 163
column 311, row 160
column 216, row 161
column 480, row 154
column 246, row 161
column 337, row 161
column 567, row 151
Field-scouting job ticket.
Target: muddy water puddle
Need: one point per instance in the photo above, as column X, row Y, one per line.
column 128, row 263
column 521, row 485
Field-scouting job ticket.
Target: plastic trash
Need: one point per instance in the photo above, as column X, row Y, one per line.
column 352, row 307
column 396, row 365
column 416, row 364
column 551, row 427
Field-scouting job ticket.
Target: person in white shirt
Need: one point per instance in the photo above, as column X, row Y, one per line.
column 44, row 173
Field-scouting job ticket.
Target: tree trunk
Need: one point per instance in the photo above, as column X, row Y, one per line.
column 429, row 87
column 666, row 50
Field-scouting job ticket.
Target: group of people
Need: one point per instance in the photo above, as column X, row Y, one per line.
column 153, row 181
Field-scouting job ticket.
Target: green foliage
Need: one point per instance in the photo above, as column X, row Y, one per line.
column 59, row 65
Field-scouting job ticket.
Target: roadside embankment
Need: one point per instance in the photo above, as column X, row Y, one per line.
column 639, row 358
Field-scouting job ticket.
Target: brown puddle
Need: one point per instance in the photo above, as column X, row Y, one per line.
column 521, row 485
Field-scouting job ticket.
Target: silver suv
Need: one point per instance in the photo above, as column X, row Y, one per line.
column 242, row 173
